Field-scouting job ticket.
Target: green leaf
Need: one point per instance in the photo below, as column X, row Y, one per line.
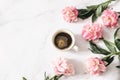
column 94, row 17
column 117, row 43
column 84, row 13
column 98, row 50
column 116, row 39
column 92, row 7
column 109, row 60
column 93, row 10
column 105, row 5
column 119, row 57
column 98, row 11
column 110, row 45
column 118, row 66
column 119, row 62
column 46, row 77
column 118, row 12
column 59, row 76
column 56, row 77
column 24, row 78
column 115, row 34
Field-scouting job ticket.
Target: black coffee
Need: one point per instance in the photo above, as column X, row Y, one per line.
column 62, row 40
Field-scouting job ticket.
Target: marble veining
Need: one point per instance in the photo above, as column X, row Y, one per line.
column 26, row 29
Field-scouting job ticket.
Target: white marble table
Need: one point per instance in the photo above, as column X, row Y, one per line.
column 26, row 28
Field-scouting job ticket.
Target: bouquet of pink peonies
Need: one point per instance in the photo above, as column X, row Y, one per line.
column 91, row 32
column 71, row 14
column 62, row 67
column 96, row 65
column 94, row 31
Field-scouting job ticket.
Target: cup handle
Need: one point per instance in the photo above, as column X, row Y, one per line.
column 75, row 48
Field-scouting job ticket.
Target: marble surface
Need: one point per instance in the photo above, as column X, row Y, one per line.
column 26, row 28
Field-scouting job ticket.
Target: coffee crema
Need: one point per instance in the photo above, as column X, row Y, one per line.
column 62, row 40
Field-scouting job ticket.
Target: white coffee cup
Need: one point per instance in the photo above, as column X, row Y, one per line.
column 71, row 35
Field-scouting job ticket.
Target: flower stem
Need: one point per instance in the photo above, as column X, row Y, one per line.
column 108, row 56
column 117, row 53
column 109, row 1
column 56, row 77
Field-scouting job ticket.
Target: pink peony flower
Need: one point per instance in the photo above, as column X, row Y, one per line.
column 70, row 14
column 110, row 18
column 92, row 31
column 95, row 66
column 62, row 66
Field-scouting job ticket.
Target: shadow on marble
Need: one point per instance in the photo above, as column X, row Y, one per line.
column 81, row 44
column 79, row 67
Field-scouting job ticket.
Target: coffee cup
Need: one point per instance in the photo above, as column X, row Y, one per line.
column 64, row 40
